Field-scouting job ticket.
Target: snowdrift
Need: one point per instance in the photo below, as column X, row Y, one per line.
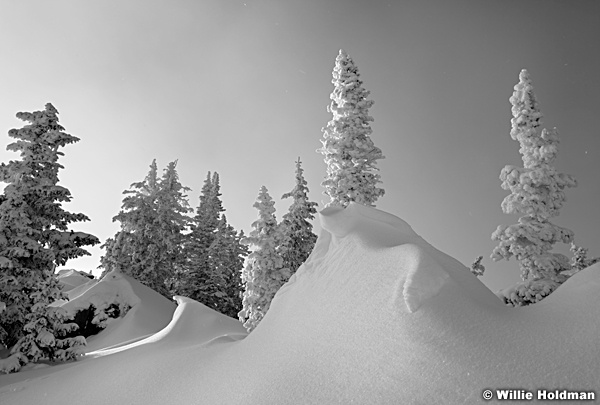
column 72, row 278
column 375, row 316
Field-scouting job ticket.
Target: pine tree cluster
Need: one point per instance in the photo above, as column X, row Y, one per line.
column 278, row 249
column 213, row 255
column 153, row 217
column 165, row 249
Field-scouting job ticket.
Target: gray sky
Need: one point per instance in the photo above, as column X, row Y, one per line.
column 241, row 87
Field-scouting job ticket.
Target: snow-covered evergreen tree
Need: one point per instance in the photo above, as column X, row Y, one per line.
column 537, row 192
column 299, row 238
column 477, row 268
column 214, row 255
column 34, row 239
column 138, row 213
column 579, row 261
column 195, row 279
column 137, row 210
column 173, row 221
column 226, row 260
column 350, row 154
column 149, row 245
column 264, row 272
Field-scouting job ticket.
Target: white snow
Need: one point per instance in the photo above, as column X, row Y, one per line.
column 375, row 316
column 70, row 279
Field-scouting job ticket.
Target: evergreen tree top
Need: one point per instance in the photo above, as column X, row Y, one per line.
column 349, row 98
column 172, row 197
column 346, row 136
column 210, row 202
column 44, row 128
column 38, row 145
column 264, row 203
column 170, row 179
column 525, row 107
column 301, row 184
column 148, row 187
column 216, row 194
column 300, row 195
column 33, row 221
column 537, row 148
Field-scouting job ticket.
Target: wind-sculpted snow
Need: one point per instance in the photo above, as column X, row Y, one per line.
column 72, row 278
column 192, row 324
column 149, row 313
column 375, row 316
column 113, row 288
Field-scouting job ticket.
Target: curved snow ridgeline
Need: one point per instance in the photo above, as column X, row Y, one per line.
column 375, row 316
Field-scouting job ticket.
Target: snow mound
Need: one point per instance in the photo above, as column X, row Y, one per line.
column 113, row 288
column 149, row 311
column 192, row 323
column 375, row 316
column 71, row 279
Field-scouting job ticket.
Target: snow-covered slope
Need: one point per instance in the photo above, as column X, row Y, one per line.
column 375, row 316
column 150, row 312
column 72, row 278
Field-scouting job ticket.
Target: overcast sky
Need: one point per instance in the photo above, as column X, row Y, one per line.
column 241, row 88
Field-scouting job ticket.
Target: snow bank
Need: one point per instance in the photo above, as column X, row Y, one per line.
column 192, row 324
column 150, row 312
column 113, row 288
column 375, row 316
column 70, row 279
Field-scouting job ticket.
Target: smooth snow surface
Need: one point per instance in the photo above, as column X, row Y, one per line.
column 375, row 316
column 71, row 279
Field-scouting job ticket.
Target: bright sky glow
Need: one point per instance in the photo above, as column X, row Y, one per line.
column 242, row 88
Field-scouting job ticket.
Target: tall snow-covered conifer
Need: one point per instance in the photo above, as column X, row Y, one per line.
column 213, row 255
column 299, row 238
column 34, row 239
column 350, row 154
column 138, row 211
column 196, row 280
column 172, row 209
column 226, row 260
column 264, row 272
column 537, row 192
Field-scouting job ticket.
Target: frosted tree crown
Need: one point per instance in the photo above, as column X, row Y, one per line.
column 349, row 152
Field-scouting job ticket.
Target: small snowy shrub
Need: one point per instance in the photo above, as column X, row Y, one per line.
column 92, row 320
column 477, row 268
column 579, row 261
column 527, row 292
